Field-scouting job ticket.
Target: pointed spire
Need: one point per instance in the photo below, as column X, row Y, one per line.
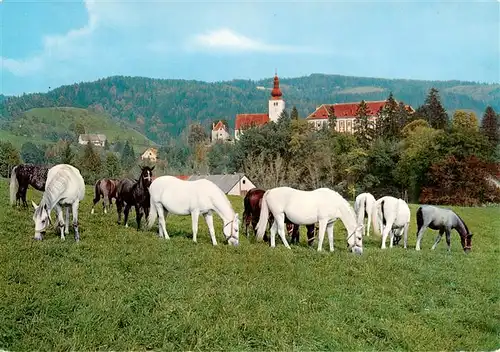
column 276, row 92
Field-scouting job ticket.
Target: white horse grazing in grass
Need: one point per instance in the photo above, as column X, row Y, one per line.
column 64, row 188
column 363, row 206
column 170, row 194
column 390, row 215
column 322, row 205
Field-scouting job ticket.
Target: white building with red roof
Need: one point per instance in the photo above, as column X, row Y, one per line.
column 275, row 108
column 219, row 132
column 345, row 114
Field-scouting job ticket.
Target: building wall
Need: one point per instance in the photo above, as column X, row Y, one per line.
column 219, row 135
column 242, row 187
column 276, row 107
column 344, row 124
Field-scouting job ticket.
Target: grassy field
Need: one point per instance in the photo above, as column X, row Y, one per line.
column 120, row 289
column 33, row 125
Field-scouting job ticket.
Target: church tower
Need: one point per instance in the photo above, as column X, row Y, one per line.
column 276, row 103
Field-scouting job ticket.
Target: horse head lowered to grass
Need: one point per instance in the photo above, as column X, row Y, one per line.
column 322, row 205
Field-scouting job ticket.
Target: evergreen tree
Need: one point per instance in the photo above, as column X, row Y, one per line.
column 490, row 125
column 363, row 130
column 112, row 165
column 388, row 126
column 294, row 115
column 32, row 154
column 127, row 156
column 67, row 155
column 433, row 111
column 402, row 116
column 332, row 119
column 9, row 157
column 106, row 144
column 91, row 164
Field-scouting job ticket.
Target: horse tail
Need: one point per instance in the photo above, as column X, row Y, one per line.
column 153, row 214
column 14, row 185
column 420, row 218
column 97, row 191
column 376, row 213
column 263, row 218
column 361, row 211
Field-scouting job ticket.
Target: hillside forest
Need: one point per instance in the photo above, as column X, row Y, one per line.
column 427, row 156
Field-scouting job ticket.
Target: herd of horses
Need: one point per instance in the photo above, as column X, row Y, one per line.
column 281, row 209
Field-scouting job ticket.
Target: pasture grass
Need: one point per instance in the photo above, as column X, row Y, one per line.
column 120, row 289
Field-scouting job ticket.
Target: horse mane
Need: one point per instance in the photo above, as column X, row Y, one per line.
column 463, row 222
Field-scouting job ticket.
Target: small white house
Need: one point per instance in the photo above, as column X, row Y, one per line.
column 234, row 184
column 96, row 139
column 150, row 154
column 219, row 132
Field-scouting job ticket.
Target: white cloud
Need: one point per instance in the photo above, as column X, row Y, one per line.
column 228, row 40
column 59, row 47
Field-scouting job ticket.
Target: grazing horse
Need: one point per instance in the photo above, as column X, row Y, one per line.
column 443, row 220
column 363, row 207
column 134, row 193
column 391, row 215
column 252, row 204
column 180, row 197
column 322, row 205
column 64, row 188
column 24, row 175
column 105, row 188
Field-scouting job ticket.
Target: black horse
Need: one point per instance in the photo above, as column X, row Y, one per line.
column 134, row 193
column 22, row 177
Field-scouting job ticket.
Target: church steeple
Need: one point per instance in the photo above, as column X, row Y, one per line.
column 276, row 102
column 276, row 92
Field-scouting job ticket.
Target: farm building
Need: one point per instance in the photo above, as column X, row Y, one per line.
column 234, row 184
column 220, row 132
column 96, row 139
column 150, row 154
column 345, row 114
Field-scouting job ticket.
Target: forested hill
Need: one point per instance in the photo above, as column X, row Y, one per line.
column 161, row 108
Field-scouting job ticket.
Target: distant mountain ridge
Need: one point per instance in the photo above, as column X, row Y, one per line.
column 160, row 108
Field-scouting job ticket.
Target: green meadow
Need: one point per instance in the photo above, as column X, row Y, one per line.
column 123, row 289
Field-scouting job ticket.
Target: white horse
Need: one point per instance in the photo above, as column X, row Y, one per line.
column 170, row 194
column 364, row 206
column 390, row 215
column 322, row 205
column 64, row 188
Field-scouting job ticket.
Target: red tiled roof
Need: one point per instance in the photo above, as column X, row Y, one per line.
column 247, row 120
column 349, row 109
column 219, row 126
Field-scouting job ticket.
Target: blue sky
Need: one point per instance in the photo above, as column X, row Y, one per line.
column 50, row 43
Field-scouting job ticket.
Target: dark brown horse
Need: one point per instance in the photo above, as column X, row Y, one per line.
column 252, row 203
column 134, row 193
column 22, row 177
column 105, row 188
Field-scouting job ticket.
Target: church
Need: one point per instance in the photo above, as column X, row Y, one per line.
column 276, row 107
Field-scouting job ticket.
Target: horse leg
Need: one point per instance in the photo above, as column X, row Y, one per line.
column 66, row 221
column 369, row 213
column 96, row 200
column 281, row 230
column 310, row 234
column 448, row 239
column 125, row 214
column 420, row 234
column 405, row 234
column 60, row 220
column 195, row 214
column 138, row 215
column 438, row 238
column 162, row 228
column 329, row 230
column 295, row 238
column 119, row 207
column 74, row 210
column 385, row 233
column 274, row 228
column 209, row 219
column 321, row 235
